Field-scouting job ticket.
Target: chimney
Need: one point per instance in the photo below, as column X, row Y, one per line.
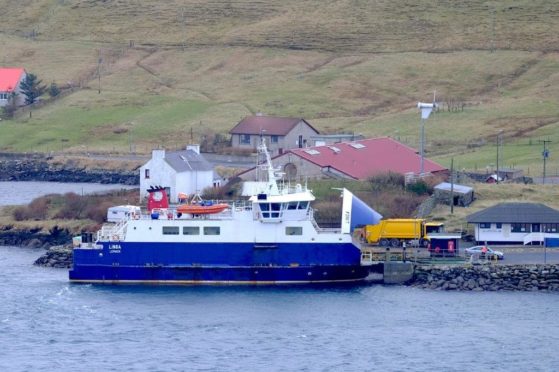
column 158, row 154
column 195, row 148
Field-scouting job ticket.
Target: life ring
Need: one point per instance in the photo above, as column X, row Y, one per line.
column 115, row 237
column 170, row 215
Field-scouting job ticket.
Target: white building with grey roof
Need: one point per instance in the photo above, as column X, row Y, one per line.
column 512, row 223
column 183, row 171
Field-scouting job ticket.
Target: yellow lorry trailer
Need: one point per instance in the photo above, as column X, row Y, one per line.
column 394, row 232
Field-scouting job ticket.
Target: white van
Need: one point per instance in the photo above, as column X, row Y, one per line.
column 120, row 212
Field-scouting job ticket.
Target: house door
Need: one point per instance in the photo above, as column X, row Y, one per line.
column 535, row 227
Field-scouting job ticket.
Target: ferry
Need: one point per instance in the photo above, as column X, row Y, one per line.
column 272, row 238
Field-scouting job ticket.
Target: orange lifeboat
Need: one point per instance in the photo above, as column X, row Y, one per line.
column 201, row 208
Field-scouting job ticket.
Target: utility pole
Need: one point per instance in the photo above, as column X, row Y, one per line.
column 452, row 185
column 99, row 71
column 492, row 30
column 498, row 151
column 545, row 155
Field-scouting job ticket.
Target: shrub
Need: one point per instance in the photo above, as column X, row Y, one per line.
column 38, row 208
column 98, row 211
column 20, row 213
column 388, row 180
column 420, row 188
column 54, row 90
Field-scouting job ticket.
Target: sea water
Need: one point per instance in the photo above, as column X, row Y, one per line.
column 47, row 323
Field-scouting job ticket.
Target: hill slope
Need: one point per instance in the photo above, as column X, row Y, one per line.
column 176, row 71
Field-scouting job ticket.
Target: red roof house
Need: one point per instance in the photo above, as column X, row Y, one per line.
column 354, row 160
column 10, row 79
column 281, row 133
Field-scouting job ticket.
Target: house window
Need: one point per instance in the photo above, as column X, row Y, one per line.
column 485, row 225
column 211, row 230
column 274, row 139
column 3, row 96
column 170, row 230
column 519, row 227
column 191, row 230
column 293, row 230
column 146, row 173
column 550, row 227
column 499, row 225
column 245, row 139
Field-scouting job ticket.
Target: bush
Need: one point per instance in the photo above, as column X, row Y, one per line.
column 39, row 208
column 387, row 181
column 20, row 214
column 53, row 90
column 420, row 188
column 98, row 211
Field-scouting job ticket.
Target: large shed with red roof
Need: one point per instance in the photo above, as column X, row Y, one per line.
column 356, row 160
column 281, row 133
column 10, row 80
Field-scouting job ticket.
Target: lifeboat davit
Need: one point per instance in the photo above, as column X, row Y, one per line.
column 202, row 209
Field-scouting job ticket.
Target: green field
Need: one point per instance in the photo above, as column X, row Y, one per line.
column 175, row 69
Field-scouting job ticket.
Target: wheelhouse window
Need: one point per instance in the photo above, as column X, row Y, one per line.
column 275, row 207
column 485, row 225
column 191, row 230
column 293, row 230
column 303, row 205
column 550, row 227
column 170, row 230
column 270, row 210
column 245, row 139
column 499, row 225
column 519, row 227
column 212, row 230
column 291, row 206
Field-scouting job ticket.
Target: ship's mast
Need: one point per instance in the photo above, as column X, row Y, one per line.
column 271, row 186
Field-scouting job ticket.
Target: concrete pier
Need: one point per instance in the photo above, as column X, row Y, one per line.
column 398, row 272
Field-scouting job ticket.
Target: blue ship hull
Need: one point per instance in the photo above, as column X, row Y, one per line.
column 206, row 263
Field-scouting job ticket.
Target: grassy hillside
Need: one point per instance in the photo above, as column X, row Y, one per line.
column 175, row 69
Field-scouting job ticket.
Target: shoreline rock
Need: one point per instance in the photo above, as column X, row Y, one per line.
column 527, row 277
column 34, row 238
column 36, row 168
column 59, row 256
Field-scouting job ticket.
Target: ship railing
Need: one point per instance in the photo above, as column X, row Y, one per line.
column 112, row 232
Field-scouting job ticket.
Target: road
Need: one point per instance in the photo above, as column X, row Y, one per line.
column 538, row 255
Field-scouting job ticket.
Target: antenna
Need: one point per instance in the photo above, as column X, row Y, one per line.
column 426, row 109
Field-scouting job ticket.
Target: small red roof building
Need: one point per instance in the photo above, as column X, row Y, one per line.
column 10, row 78
column 357, row 160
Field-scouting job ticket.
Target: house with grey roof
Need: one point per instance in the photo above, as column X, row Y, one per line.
column 280, row 133
column 183, row 171
column 513, row 223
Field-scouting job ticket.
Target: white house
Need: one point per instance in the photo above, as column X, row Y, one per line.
column 515, row 223
column 178, row 172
